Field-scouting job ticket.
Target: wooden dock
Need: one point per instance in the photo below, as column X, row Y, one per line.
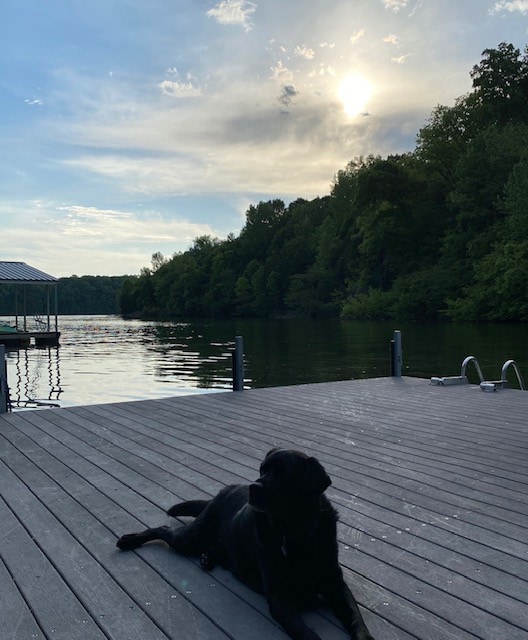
column 430, row 482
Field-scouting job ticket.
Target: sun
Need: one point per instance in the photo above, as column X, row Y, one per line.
column 355, row 92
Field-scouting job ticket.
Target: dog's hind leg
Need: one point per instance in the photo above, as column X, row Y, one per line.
column 187, row 539
column 189, row 508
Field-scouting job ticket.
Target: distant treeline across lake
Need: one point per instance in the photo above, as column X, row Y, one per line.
column 76, row 296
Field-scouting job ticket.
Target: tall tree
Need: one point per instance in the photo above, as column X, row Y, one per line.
column 500, row 83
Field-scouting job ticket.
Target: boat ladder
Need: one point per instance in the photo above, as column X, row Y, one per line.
column 485, row 385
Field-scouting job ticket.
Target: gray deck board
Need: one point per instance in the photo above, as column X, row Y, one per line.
column 431, row 485
column 17, row 621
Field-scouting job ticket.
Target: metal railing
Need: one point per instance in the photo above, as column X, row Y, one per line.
column 485, row 385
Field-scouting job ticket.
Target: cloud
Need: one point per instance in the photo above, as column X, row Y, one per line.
column 417, row 6
column 395, row 5
column 211, row 159
column 77, row 220
column 324, row 70
column 510, row 5
column 232, row 144
column 235, row 12
column 391, row 39
column 35, row 102
column 357, row 35
column 228, row 140
column 83, row 236
column 400, row 59
column 305, row 52
column 179, row 89
column 116, row 226
column 288, row 94
column 281, row 73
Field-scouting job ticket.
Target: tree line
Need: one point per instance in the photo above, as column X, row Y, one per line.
column 76, row 296
column 437, row 233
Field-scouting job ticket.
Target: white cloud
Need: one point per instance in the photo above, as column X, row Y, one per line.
column 391, row 39
column 357, row 35
column 235, row 137
column 305, row 52
column 236, row 12
column 281, row 73
column 207, row 148
column 395, row 5
column 417, row 6
column 324, row 70
column 35, row 102
column 116, row 226
column 61, row 239
column 511, row 5
column 179, row 89
column 400, row 59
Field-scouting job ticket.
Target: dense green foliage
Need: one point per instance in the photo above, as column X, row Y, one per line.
column 90, row 294
column 76, row 295
column 441, row 232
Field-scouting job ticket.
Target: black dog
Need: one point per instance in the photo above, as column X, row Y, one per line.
column 277, row 535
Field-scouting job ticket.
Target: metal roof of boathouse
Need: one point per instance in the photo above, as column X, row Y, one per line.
column 22, row 273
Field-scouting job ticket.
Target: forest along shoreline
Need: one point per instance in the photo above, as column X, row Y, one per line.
column 439, row 233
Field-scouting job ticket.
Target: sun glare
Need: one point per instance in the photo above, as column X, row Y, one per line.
column 355, row 93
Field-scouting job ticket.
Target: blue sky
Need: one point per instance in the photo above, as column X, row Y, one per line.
column 134, row 126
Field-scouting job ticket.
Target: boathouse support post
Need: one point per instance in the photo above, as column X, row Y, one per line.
column 3, row 381
column 396, row 355
column 238, row 364
column 56, row 312
column 48, row 307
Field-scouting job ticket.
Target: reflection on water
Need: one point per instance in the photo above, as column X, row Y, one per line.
column 35, row 372
column 108, row 359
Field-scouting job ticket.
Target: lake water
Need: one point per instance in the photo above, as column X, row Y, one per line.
column 108, row 359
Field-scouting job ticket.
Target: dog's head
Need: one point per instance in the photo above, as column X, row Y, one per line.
column 289, row 491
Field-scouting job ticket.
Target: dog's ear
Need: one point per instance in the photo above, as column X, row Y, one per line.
column 258, row 498
column 318, row 479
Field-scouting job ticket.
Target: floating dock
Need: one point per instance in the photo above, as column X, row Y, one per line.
column 24, row 339
column 430, row 482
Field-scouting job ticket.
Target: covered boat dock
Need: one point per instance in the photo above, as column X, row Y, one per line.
column 21, row 325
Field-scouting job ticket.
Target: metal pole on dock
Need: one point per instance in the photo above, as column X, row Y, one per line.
column 3, row 380
column 396, row 355
column 238, row 364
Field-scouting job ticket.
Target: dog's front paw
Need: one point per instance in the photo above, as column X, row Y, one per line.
column 129, row 541
column 206, row 561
